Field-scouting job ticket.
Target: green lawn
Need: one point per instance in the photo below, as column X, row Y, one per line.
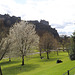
column 36, row 66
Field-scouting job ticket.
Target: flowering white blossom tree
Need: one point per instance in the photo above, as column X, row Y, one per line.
column 25, row 37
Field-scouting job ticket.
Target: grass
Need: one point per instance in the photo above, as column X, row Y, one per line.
column 36, row 66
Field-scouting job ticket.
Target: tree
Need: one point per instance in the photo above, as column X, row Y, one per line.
column 3, row 42
column 72, row 51
column 68, row 44
column 10, row 51
column 25, row 37
column 64, row 40
column 40, row 47
column 0, row 71
column 4, row 46
column 47, row 43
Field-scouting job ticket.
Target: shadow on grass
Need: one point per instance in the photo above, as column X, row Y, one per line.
column 14, row 70
column 7, row 62
column 50, row 59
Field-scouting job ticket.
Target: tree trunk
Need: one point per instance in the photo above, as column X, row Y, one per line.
column 47, row 55
column 67, row 51
column 40, row 53
column 22, row 60
column 63, row 47
column 57, row 52
column 9, row 59
column 0, row 71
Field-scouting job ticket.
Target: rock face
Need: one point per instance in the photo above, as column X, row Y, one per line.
column 44, row 22
column 6, row 21
column 43, row 26
column 9, row 20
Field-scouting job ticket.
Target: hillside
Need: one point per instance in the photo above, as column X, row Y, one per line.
column 43, row 26
column 6, row 21
column 9, row 20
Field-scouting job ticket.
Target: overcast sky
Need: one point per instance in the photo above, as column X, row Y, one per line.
column 59, row 13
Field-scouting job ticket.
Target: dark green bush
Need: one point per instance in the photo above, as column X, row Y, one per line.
column 72, row 51
column 72, row 56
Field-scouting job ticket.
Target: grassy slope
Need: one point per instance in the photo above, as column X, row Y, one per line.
column 36, row 66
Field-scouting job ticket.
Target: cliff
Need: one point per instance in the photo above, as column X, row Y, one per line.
column 43, row 26
column 9, row 20
column 6, row 21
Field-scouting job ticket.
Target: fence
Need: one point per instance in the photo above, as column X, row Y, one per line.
column 70, row 72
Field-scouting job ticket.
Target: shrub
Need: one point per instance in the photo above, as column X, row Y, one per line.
column 72, row 51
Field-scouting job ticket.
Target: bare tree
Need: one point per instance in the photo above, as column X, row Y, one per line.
column 47, row 43
column 10, row 51
column 4, row 46
column 64, row 39
column 25, row 37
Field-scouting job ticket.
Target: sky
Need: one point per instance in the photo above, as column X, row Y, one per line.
column 59, row 13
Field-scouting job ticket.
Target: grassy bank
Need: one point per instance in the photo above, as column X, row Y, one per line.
column 36, row 66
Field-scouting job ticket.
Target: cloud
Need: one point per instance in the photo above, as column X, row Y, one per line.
column 58, row 26
column 59, row 13
column 67, row 28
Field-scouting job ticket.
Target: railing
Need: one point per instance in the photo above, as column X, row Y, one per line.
column 70, row 72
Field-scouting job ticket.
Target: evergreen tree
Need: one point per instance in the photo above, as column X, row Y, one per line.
column 72, row 51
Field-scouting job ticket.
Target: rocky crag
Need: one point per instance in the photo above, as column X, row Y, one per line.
column 9, row 20
column 6, row 21
column 43, row 26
